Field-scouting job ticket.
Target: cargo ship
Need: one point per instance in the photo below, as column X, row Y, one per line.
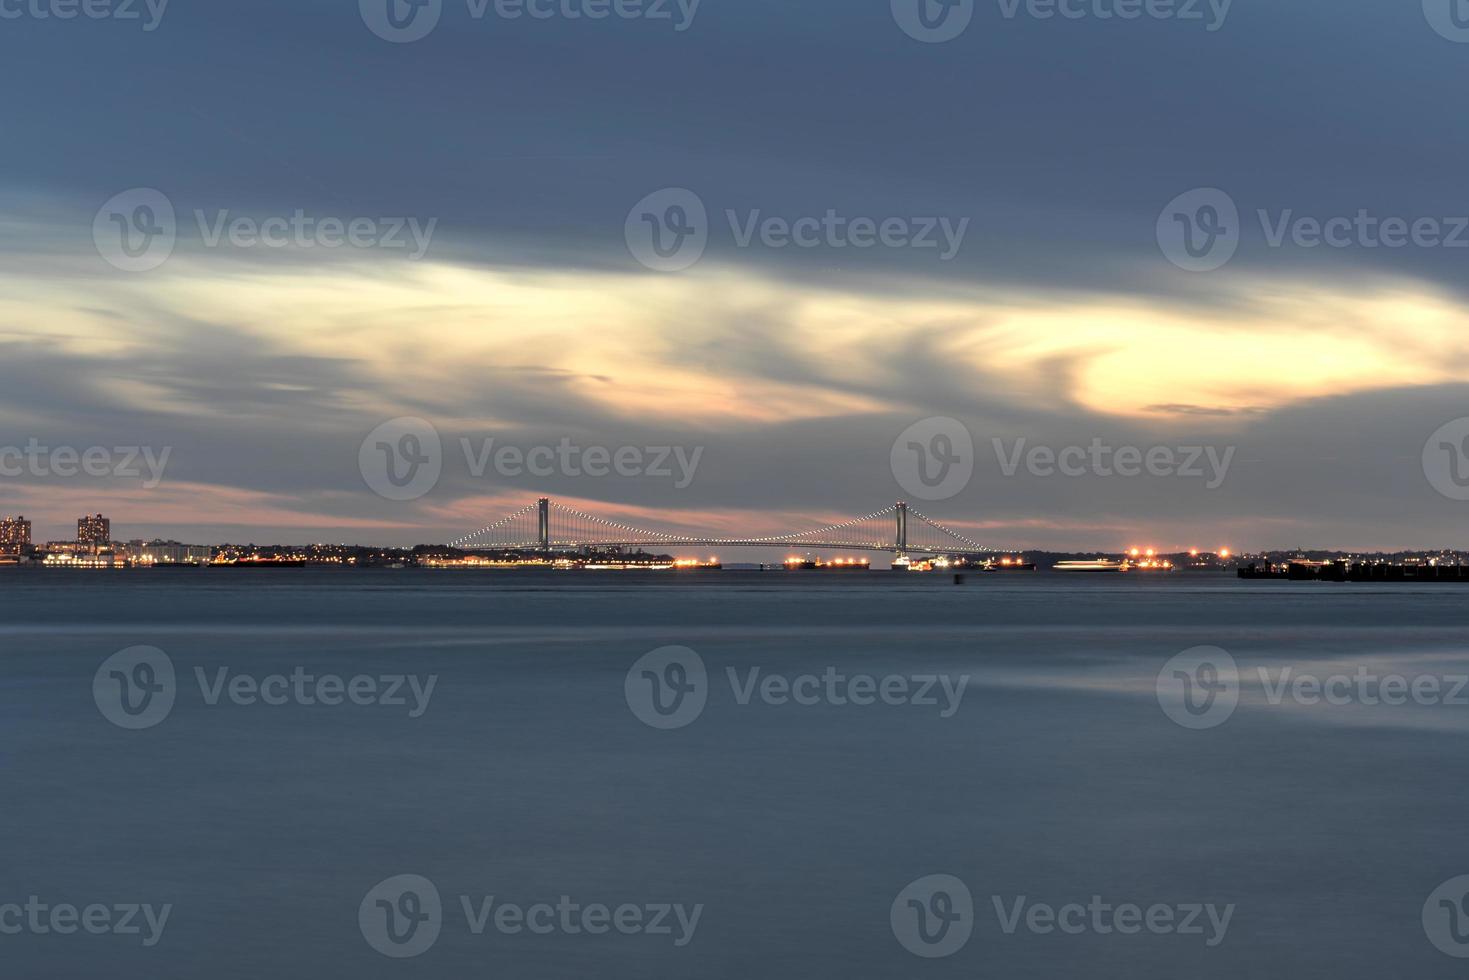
column 806, row 564
column 1009, row 565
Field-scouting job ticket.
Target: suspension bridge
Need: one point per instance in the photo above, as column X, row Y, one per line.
column 549, row 526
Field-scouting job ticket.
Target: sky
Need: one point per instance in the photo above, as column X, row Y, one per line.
column 1231, row 235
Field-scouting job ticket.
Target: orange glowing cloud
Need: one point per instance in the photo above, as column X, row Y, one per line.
column 725, row 347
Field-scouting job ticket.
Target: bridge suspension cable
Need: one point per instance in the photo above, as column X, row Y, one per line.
column 547, row 525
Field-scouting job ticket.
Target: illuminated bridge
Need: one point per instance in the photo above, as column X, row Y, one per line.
column 548, row 526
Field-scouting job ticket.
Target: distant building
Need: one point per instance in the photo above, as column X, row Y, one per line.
column 169, row 553
column 69, row 554
column 15, row 535
column 95, row 531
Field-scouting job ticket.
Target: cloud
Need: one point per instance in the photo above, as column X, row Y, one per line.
column 264, row 377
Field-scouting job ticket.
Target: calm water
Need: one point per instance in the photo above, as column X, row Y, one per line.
column 529, row 775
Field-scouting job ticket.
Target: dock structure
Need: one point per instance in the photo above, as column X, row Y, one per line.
column 1350, row 571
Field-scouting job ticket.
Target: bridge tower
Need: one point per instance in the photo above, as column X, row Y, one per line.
column 902, row 540
column 544, row 510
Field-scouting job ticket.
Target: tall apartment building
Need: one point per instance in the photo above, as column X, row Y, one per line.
column 15, row 535
column 96, row 531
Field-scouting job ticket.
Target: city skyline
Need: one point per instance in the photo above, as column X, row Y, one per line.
column 93, row 534
column 849, row 274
